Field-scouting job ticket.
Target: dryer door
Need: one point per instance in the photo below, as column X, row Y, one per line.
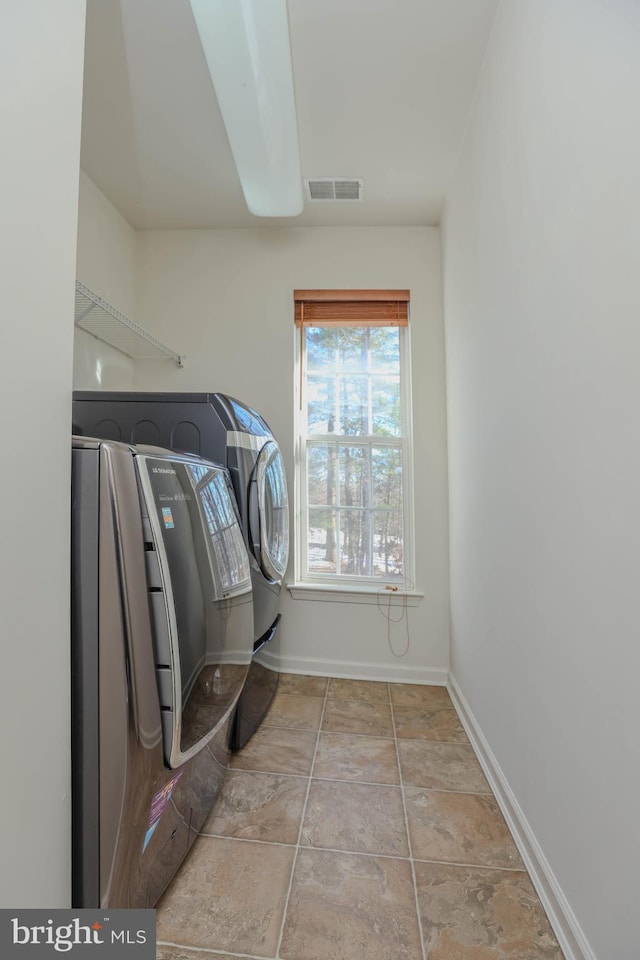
column 269, row 512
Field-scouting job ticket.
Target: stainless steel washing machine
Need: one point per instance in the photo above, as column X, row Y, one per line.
column 162, row 627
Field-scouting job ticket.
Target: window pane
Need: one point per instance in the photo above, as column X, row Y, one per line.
column 321, row 404
column 387, row 477
column 354, row 405
column 354, row 476
column 321, row 344
column 355, row 543
column 385, row 406
column 321, row 474
column 353, row 348
column 385, row 349
column 388, row 548
column 322, row 555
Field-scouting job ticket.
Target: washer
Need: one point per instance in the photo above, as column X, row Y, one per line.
column 162, row 622
column 225, row 430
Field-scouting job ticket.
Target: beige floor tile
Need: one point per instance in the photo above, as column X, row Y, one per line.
column 277, row 750
column 354, row 899
column 349, row 716
column 228, row 895
column 302, row 713
column 341, row 756
column 258, row 806
column 419, row 695
column 372, row 691
column 359, row 817
column 428, row 723
column 441, row 766
column 299, row 685
column 348, row 907
column 469, row 913
column 459, row 828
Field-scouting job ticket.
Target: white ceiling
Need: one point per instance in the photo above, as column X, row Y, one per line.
column 383, row 91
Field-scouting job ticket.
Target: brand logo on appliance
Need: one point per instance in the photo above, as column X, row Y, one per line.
column 81, row 931
column 163, row 470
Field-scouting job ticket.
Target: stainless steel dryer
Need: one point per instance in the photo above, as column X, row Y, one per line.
column 255, row 462
column 223, row 429
column 162, row 626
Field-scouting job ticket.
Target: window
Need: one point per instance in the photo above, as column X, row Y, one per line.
column 353, row 453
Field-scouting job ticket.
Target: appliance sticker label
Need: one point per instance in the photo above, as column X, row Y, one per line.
column 167, row 516
column 159, row 804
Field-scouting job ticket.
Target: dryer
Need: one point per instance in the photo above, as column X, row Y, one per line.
column 255, row 463
column 162, row 626
column 225, row 430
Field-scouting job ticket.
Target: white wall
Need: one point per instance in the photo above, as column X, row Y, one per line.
column 41, row 60
column 225, row 299
column 106, row 264
column 542, row 286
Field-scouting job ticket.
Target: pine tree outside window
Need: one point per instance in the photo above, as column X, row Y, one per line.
column 353, row 458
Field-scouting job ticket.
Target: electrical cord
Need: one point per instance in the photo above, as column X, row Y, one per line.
column 385, row 609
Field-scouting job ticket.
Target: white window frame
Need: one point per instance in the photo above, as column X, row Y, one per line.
column 311, row 584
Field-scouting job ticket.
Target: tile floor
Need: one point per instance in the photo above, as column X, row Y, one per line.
column 355, row 825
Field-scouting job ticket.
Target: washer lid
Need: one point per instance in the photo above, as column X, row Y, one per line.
column 269, row 512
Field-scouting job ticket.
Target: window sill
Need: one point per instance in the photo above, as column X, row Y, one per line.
column 338, row 593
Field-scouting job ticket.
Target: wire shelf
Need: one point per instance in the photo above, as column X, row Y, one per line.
column 99, row 319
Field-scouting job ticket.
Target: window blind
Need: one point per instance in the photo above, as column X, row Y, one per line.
column 373, row 308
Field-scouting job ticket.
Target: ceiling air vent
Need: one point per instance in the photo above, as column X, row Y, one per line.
column 334, row 188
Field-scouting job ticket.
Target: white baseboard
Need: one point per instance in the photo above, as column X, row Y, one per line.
column 571, row 938
column 351, row 669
